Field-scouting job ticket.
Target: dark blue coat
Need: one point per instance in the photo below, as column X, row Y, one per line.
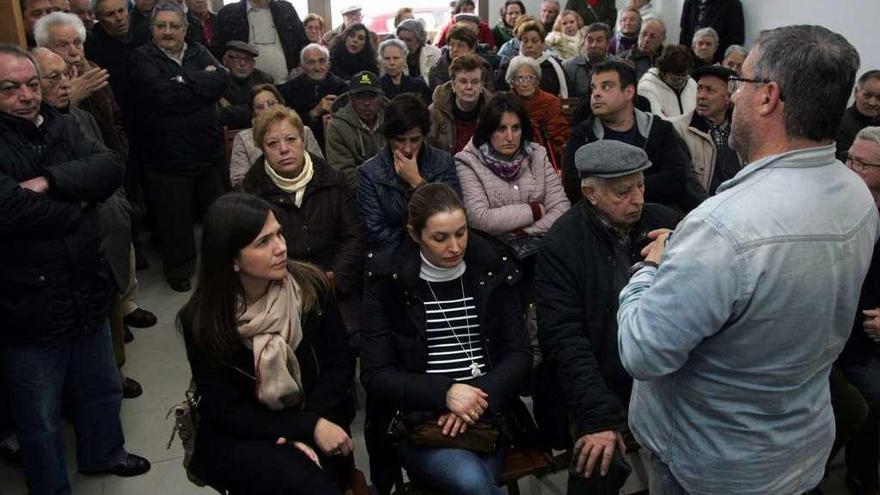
column 383, row 196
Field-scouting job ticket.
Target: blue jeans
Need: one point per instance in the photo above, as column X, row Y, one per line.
column 662, row 481
column 82, row 371
column 456, row 471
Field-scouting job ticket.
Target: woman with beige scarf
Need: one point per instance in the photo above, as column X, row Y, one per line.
column 269, row 357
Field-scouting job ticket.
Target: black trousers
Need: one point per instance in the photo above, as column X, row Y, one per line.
column 177, row 201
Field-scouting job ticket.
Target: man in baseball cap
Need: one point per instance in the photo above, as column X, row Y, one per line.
column 353, row 134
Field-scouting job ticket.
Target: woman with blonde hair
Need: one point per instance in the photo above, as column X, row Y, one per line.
column 567, row 36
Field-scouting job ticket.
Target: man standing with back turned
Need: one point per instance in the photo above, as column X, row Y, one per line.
column 732, row 337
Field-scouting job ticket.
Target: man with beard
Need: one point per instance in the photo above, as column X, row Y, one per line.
column 706, row 129
column 733, row 329
column 863, row 113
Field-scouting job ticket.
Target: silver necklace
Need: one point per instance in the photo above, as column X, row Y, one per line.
column 474, row 367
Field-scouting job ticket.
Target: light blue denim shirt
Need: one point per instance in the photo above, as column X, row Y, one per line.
column 732, row 339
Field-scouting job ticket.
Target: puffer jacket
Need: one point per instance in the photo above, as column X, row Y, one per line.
column 54, row 280
column 382, row 195
column 665, row 101
column 349, row 143
column 177, row 104
column 501, row 207
column 443, row 128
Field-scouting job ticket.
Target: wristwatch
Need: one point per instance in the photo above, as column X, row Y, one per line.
column 641, row 264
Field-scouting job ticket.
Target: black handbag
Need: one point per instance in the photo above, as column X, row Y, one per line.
column 523, row 247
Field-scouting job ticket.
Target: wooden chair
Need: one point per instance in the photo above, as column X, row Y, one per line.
column 228, row 138
column 569, row 105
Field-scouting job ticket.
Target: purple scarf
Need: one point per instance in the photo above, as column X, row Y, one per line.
column 506, row 169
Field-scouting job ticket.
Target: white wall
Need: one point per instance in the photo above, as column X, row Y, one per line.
column 855, row 19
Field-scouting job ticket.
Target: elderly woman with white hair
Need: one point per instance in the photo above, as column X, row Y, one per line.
column 421, row 56
column 392, row 64
column 531, row 44
column 550, row 126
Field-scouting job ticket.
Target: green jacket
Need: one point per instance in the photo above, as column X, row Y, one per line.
column 349, row 142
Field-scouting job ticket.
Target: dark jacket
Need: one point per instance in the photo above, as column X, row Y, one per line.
column 581, row 376
column 725, row 16
column 641, row 61
column 230, row 413
column 394, row 347
column 850, row 125
column 232, row 24
column 54, row 281
column 302, row 94
column 408, row 84
column 237, row 114
column 104, row 108
column 177, row 108
column 326, row 230
column 195, row 33
column 382, row 195
column 667, row 182
column 112, row 54
column 345, row 65
column 859, row 348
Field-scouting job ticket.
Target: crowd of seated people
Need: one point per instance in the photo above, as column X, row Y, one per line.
column 459, row 217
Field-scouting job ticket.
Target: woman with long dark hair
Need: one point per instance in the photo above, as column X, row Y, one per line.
column 269, row 359
column 353, row 52
column 444, row 348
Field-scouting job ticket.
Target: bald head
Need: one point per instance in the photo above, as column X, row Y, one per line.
column 54, row 81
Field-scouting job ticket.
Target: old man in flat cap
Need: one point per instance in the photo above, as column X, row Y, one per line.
column 240, row 60
column 584, row 262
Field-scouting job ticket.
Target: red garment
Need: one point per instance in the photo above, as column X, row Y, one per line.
column 545, row 108
column 208, row 30
column 484, row 35
column 464, row 131
column 592, row 2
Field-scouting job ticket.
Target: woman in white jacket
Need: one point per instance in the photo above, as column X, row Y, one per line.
column 422, row 56
column 669, row 86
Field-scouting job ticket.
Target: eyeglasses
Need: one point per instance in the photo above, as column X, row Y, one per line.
column 524, row 79
column 736, row 82
column 265, row 105
column 856, row 164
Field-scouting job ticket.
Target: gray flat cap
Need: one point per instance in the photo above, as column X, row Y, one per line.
column 609, row 159
column 241, row 46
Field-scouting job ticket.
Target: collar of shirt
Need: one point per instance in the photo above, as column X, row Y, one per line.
column 172, row 57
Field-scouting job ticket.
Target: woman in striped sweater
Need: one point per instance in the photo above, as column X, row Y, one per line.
column 443, row 343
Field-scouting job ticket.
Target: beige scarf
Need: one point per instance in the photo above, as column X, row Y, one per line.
column 273, row 328
column 296, row 187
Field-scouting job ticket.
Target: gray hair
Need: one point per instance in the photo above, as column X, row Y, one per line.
column 598, row 27
column 45, row 24
column 736, row 49
column 815, row 69
column 871, row 74
column 521, row 61
column 706, row 32
column 168, row 6
column 416, row 27
column 393, row 42
column 870, row 134
column 314, row 46
column 593, row 181
column 551, row 1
